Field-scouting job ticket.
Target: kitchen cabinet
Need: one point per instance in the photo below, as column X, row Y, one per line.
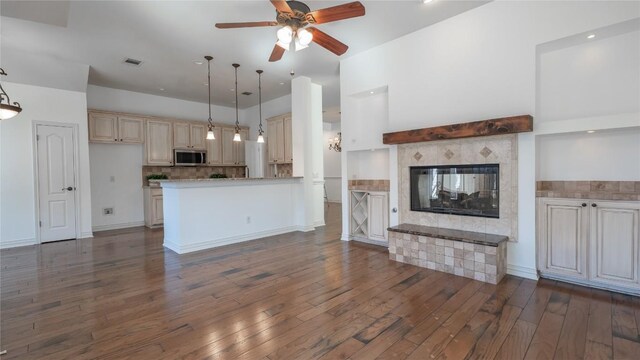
column 214, row 148
column 591, row 242
column 189, row 136
column 153, row 206
column 279, row 140
column 369, row 213
column 233, row 151
column 158, row 144
column 113, row 128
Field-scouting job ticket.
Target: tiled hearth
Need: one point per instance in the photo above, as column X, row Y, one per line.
column 483, row 261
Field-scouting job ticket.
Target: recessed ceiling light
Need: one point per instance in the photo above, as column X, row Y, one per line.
column 590, row 131
column 232, row 89
column 591, row 36
column 281, row 83
column 205, row 84
column 370, row 92
column 161, row 89
column 198, row 62
column 426, row 1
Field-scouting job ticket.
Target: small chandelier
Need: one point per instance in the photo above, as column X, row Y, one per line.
column 7, row 110
column 210, row 134
column 335, row 143
column 236, row 136
column 260, row 131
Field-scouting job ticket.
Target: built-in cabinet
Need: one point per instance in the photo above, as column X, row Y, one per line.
column 592, row 242
column 279, row 139
column 113, row 128
column 153, row 213
column 369, row 212
column 161, row 136
column 158, row 145
column 233, row 151
column 189, row 135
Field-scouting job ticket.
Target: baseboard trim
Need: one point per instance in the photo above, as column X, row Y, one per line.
column 345, row 237
column 318, row 223
column 590, row 284
column 117, row 226
column 17, row 243
column 522, row 271
column 86, row 235
column 209, row 244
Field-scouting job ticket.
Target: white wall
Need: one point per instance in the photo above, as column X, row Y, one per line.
column 332, row 167
column 116, row 182
column 17, row 181
column 368, row 164
column 275, row 107
column 612, row 155
column 477, row 65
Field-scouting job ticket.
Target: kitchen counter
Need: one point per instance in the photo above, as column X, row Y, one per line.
column 206, row 213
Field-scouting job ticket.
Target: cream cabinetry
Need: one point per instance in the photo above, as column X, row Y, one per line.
column 233, row 151
column 107, row 127
column 189, row 135
column 279, row 139
column 592, row 242
column 158, row 147
column 369, row 215
column 214, row 148
column 153, row 207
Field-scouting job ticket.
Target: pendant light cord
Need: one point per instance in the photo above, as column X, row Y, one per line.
column 236, row 66
column 209, row 58
column 260, row 131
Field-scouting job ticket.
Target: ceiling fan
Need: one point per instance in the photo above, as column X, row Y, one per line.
column 294, row 16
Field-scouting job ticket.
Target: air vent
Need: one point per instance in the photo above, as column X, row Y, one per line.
column 247, row 93
column 133, row 62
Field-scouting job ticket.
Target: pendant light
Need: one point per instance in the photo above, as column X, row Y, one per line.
column 210, row 134
column 260, row 131
column 236, row 136
column 8, row 110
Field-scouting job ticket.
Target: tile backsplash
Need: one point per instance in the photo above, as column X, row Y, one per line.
column 369, row 185
column 601, row 190
column 191, row 172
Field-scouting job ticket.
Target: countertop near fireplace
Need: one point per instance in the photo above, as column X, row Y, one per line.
column 450, row 234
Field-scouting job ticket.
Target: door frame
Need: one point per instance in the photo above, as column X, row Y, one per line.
column 76, row 178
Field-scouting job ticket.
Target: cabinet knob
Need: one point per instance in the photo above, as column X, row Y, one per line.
column 584, row 204
column 594, row 205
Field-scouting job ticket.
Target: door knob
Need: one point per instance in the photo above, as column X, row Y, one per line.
column 594, row 205
column 584, row 204
column 70, row 188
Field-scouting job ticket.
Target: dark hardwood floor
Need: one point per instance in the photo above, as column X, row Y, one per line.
column 121, row 295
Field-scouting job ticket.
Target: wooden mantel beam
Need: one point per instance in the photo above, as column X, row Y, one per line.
column 500, row 126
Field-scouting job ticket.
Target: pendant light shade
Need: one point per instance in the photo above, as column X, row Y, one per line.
column 236, row 136
column 7, row 109
column 260, row 131
column 210, row 134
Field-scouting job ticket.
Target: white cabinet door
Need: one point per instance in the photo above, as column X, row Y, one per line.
column 564, row 227
column 181, row 132
column 157, row 214
column 131, row 130
column 615, row 244
column 240, row 150
column 378, row 215
column 272, row 140
column 103, row 128
column 228, row 153
column 158, row 144
column 214, row 148
column 198, row 136
column 288, row 147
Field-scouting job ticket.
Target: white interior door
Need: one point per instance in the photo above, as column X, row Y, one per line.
column 56, row 182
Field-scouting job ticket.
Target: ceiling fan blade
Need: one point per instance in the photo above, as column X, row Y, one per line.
column 327, row 41
column 335, row 13
column 245, row 24
column 281, row 6
column 276, row 54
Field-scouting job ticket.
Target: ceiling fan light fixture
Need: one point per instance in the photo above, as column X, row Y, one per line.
column 304, row 37
column 299, row 46
column 285, row 35
column 283, row 45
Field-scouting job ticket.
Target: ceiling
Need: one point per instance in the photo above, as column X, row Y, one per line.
column 169, row 36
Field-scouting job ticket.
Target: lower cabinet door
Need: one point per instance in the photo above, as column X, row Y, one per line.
column 157, row 214
column 378, row 204
column 615, row 246
column 563, row 228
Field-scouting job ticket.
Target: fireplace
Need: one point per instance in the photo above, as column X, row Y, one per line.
column 472, row 190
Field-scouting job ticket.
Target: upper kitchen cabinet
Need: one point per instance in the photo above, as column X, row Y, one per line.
column 214, row 148
column 158, row 147
column 279, row 139
column 189, row 136
column 232, row 151
column 105, row 127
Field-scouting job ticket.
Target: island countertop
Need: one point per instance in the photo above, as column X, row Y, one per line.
column 195, row 183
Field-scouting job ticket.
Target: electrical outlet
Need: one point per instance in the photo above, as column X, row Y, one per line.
column 107, row 211
column 248, row 219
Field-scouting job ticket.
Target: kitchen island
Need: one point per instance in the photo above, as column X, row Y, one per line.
column 205, row 213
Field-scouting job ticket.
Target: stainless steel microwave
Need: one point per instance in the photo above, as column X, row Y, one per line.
column 189, row 157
